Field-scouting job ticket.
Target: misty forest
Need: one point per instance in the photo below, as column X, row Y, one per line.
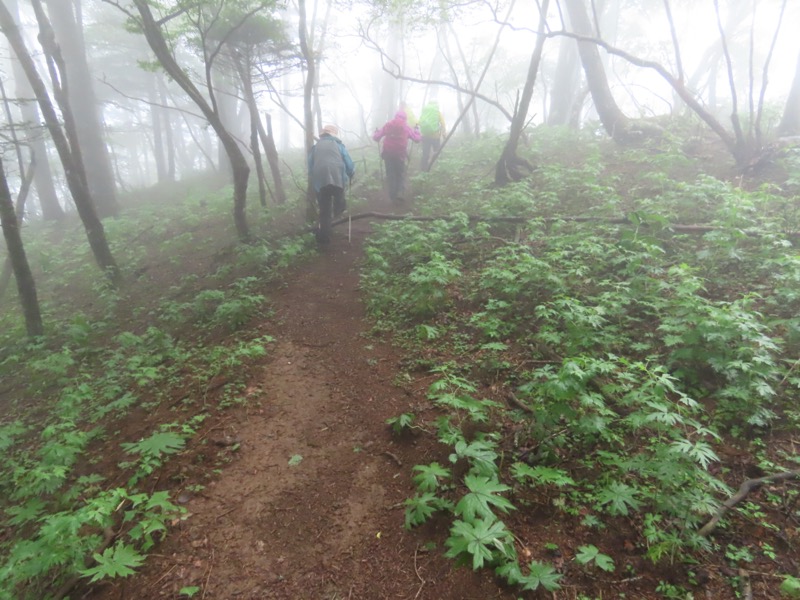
column 399, row 299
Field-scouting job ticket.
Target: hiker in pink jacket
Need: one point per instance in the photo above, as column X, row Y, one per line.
column 394, row 152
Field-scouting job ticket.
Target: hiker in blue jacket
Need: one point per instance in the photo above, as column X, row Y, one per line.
column 331, row 168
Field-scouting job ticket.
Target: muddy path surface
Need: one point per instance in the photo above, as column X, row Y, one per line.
column 311, row 504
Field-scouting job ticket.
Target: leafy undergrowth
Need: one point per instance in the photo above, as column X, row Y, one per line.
column 601, row 388
column 598, row 389
column 126, row 379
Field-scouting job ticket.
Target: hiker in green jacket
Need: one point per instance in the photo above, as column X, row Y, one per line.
column 432, row 128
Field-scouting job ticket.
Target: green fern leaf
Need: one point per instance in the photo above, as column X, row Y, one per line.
column 427, row 479
column 163, row 442
column 482, row 497
column 119, row 561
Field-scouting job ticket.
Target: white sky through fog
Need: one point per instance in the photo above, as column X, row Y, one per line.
column 350, row 73
column 638, row 90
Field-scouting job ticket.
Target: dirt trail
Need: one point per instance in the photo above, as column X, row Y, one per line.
column 328, row 523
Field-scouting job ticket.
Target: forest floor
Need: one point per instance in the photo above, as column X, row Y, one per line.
column 311, row 504
column 298, row 493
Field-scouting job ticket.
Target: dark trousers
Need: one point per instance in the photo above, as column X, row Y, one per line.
column 330, row 200
column 395, row 177
column 430, row 146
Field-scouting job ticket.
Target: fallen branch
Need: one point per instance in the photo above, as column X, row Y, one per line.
column 676, row 227
column 744, row 489
column 514, row 401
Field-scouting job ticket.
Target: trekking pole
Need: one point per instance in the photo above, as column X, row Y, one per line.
column 349, row 214
column 380, row 163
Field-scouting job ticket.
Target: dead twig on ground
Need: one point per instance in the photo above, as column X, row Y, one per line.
column 518, row 404
column 393, row 457
column 744, row 489
column 208, row 574
column 416, row 570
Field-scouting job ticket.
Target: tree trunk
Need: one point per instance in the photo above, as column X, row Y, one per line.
column 468, row 73
column 566, row 84
column 268, row 141
column 790, row 122
column 474, row 95
column 308, row 116
column 320, row 49
column 84, row 106
column 508, row 167
column 166, row 122
column 19, row 209
column 386, row 99
column 159, row 151
column 262, row 179
column 73, row 168
column 19, row 262
column 285, row 126
column 444, row 36
column 243, row 68
column 226, row 97
column 241, row 170
column 614, row 121
column 43, row 179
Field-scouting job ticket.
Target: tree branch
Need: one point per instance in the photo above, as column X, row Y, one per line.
column 399, row 75
column 676, row 84
column 744, row 489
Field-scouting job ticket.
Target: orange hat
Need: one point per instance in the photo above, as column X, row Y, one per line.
column 330, row 129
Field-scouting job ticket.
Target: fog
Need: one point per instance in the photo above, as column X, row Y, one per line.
column 371, row 57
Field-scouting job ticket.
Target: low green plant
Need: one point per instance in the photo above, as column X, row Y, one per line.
column 790, row 587
column 590, row 554
column 401, row 423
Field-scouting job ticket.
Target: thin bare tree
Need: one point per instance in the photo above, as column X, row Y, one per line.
column 83, row 104
column 154, row 34
column 66, row 143
column 790, row 122
column 308, row 92
column 508, row 167
column 19, row 261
